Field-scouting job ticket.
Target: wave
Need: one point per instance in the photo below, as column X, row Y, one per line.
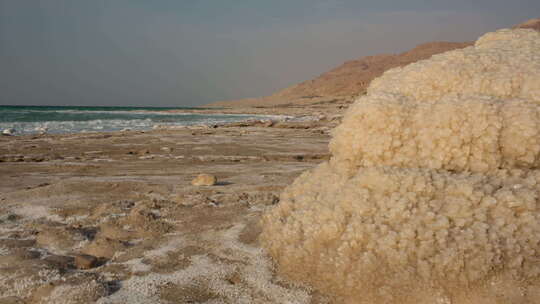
column 133, row 112
column 107, row 125
column 173, row 112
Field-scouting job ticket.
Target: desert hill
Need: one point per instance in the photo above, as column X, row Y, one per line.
column 352, row 78
column 347, row 80
column 531, row 24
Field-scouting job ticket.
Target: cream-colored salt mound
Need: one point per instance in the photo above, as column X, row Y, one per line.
column 474, row 109
column 432, row 193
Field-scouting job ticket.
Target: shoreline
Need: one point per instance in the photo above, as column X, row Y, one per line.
column 126, row 200
column 253, row 116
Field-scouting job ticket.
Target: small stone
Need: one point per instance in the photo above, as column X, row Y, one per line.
column 13, row 217
column 86, row 261
column 204, row 180
column 8, row 132
column 235, row 279
column 267, row 123
column 144, row 151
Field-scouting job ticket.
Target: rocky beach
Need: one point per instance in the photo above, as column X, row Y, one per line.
column 114, row 218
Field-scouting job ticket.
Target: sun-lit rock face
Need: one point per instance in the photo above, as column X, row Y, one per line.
column 432, row 193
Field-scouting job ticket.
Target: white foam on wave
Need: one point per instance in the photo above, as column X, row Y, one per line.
column 107, row 125
column 127, row 112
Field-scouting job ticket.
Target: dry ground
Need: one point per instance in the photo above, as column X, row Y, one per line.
column 126, row 199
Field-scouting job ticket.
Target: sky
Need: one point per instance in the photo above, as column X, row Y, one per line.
column 192, row 52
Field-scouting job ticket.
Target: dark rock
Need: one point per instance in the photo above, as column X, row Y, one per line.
column 59, row 261
column 86, row 261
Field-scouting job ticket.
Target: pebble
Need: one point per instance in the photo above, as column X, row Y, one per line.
column 204, row 180
column 86, row 261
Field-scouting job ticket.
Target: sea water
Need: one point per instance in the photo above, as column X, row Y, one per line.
column 64, row 119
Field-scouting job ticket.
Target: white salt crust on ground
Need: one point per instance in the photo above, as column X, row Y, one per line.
column 431, row 195
column 253, row 268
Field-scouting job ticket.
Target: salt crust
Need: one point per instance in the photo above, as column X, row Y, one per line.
column 431, row 195
column 206, row 272
column 18, row 283
column 86, row 292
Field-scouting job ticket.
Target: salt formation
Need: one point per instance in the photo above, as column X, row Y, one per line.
column 432, row 192
column 8, row 132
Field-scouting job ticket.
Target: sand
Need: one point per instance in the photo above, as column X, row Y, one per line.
column 126, row 199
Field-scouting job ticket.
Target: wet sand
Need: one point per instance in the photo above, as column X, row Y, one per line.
column 114, row 218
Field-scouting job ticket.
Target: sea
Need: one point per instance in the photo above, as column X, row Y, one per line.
column 66, row 119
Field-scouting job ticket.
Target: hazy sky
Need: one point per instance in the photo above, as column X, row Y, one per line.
column 191, row 52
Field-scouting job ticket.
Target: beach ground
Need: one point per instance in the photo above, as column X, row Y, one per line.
column 114, row 218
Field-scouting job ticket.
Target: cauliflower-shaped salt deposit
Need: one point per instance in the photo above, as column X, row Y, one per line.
column 433, row 191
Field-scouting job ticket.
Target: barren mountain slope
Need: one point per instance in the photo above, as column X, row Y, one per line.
column 347, row 80
column 532, row 24
column 352, row 77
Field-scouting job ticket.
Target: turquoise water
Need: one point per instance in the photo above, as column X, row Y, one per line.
column 57, row 119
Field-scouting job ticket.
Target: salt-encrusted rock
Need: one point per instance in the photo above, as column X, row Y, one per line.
column 204, row 180
column 8, row 132
column 431, row 195
column 42, row 130
column 267, row 123
column 85, row 261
